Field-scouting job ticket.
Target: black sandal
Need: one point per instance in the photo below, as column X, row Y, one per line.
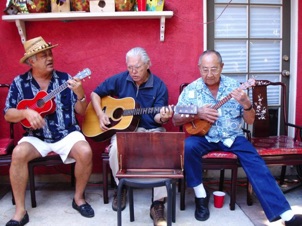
column 85, row 209
column 22, row 222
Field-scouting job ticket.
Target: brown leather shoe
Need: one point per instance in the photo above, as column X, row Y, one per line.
column 157, row 213
column 295, row 221
column 124, row 199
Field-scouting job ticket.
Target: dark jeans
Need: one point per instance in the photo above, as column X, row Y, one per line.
column 264, row 184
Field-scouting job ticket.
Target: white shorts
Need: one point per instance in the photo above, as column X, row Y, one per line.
column 62, row 147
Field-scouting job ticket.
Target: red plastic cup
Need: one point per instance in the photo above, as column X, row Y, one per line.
column 141, row 5
column 218, row 199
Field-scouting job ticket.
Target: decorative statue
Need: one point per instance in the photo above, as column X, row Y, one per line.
column 16, row 6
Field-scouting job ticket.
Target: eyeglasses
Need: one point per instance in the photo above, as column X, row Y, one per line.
column 135, row 68
column 213, row 70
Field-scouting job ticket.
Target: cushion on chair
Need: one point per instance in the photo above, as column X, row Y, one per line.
column 219, row 155
column 4, row 145
column 277, row 145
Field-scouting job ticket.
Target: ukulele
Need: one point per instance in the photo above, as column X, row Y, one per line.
column 123, row 115
column 202, row 127
column 43, row 102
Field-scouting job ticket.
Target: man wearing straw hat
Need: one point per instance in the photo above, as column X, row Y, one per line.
column 57, row 131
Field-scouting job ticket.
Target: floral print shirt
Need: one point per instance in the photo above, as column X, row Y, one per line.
column 230, row 121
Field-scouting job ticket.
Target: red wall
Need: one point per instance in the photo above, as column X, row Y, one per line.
column 101, row 45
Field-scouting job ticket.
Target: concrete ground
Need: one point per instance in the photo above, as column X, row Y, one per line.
column 54, row 208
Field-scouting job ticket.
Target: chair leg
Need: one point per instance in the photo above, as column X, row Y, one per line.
column 13, row 198
column 169, row 208
column 173, row 201
column 131, row 204
column 182, row 194
column 72, row 175
column 221, row 180
column 32, row 186
column 282, row 176
column 105, row 180
column 233, row 188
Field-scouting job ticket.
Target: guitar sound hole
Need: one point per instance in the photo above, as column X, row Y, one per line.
column 118, row 113
column 40, row 103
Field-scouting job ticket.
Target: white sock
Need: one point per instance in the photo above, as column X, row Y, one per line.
column 287, row 215
column 200, row 192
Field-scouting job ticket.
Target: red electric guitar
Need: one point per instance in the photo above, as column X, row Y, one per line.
column 43, row 102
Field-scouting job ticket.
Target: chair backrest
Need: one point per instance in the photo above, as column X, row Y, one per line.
column 5, row 126
column 267, row 118
column 7, row 129
column 150, row 154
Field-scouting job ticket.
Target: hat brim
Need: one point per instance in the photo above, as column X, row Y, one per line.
column 23, row 59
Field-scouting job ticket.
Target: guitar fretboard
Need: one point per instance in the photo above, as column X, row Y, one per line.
column 245, row 85
column 86, row 72
column 141, row 111
column 53, row 93
column 222, row 102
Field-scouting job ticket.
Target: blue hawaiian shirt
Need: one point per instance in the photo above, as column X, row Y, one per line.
column 58, row 124
column 230, row 121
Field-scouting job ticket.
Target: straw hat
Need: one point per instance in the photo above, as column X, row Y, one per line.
column 34, row 46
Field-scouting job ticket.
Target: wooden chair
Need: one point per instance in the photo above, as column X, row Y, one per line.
column 276, row 149
column 7, row 145
column 148, row 160
column 7, row 132
column 7, row 129
column 52, row 159
column 216, row 160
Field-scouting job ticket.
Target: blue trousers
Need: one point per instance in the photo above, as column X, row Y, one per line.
column 264, row 184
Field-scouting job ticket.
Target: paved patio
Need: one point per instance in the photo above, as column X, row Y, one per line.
column 54, row 208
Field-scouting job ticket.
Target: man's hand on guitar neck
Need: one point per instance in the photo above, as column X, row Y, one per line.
column 164, row 115
column 241, row 97
column 75, row 85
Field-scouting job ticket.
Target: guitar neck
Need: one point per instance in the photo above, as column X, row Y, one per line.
column 142, row 111
column 53, row 93
column 222, row 102
column 81, row 75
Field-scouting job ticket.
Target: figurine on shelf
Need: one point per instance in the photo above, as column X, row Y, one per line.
column 16, row 5
column 27, row 6
column 11, row 9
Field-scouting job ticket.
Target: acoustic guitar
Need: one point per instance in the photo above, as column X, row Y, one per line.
column 43, row 102
column 123, row 115
column 202, row 127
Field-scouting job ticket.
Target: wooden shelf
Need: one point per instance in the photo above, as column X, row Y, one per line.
column 20, row 19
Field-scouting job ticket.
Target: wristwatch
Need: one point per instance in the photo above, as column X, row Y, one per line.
column 248, row 109
column 83, row 99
